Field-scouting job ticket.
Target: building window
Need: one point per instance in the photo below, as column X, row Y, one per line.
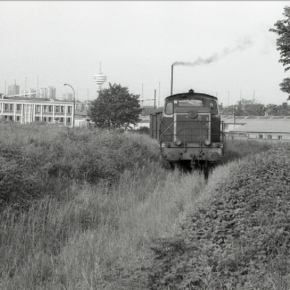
column 37, row 109
column 269, row 137
column 44, row 108
column 68, row 120
column 260, row 136
column 18, row 118
column 6, row 106
column 280, row 137
column 5, row 117
column 50, row 109
column 57, row 109
column 44, row 119
column 62, row 109
column 11, row 107
column 10, row 118
column 69, row 109
column 37, row 119
column 61, row 120
column 18, row 107
column 49, row 119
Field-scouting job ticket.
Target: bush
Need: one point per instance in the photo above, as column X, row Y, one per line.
column 236, row 237
column 42, row 160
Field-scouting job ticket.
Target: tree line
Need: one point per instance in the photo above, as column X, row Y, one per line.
column 254, row 108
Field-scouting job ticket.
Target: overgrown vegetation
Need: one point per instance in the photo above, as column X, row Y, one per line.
column 39, row 160
column 236, row 236
column 94, row 210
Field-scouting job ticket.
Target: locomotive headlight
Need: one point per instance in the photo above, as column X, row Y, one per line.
column 177, row 142
column 207, row 142
column 165, row 145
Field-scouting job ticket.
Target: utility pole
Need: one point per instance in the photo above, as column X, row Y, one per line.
column 142, row 100
column 37, row 87
column 74, row 103
column 234, row 113
column 159, row 96
column 154, row 99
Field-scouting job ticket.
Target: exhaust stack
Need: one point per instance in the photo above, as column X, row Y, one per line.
column 171, row 92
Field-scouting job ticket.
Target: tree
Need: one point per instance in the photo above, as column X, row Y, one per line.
column 278, row 110
column 252, row 108
column 283, row 44
column 115, row 108
column 272, row 110
column 245, row 108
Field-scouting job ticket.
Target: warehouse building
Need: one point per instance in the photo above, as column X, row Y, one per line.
column 260, row 127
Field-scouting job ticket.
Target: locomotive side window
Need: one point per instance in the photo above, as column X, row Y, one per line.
column 213, row 107
column 169, row 108
column 212, row 104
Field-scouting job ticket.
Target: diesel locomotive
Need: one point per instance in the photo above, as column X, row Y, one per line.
column 189, row 131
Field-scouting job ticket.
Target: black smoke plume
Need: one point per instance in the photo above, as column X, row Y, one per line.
column 216, row 56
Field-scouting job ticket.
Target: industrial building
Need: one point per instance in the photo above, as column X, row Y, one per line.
column 27, row 110
column 258, row 127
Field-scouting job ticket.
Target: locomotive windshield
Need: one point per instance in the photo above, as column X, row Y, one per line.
column 183, row 105
column 189, row 103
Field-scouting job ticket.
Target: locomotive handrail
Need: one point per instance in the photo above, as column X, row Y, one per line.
column 165, row 130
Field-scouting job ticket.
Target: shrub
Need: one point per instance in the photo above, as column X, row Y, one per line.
column 234, row 236
column 42, row 160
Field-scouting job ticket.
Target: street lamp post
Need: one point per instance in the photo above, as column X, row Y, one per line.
column 74, row 104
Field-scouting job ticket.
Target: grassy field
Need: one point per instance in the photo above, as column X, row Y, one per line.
column 94, row 210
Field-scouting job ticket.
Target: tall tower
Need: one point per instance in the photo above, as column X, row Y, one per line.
column 99, row 79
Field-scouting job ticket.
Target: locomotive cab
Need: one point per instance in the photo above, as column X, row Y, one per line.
column 189, row 129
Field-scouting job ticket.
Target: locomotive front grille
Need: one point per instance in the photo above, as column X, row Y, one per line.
column 192, row 130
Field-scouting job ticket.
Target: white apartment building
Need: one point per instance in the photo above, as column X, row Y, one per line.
column 67, row 96
column 30, row 93
column 49, row 93
column 28, row 110
column 13, row 90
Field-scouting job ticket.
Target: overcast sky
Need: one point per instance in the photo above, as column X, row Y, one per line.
column 223, row 48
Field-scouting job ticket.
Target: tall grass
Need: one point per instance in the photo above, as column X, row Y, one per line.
column 98, row 234
column 237, row 149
